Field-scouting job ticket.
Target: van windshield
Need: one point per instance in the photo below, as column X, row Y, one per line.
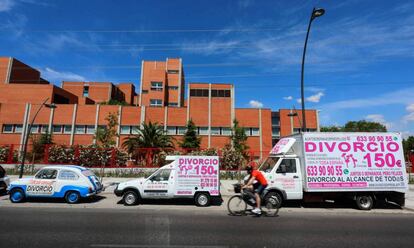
column 268, row 164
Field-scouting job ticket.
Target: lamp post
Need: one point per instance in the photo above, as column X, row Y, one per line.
column 29, row 129
column 315, row 13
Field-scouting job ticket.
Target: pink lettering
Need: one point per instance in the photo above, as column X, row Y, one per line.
column 310, row 147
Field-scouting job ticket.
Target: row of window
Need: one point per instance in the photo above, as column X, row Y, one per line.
column 90, row 129
column 214, row 93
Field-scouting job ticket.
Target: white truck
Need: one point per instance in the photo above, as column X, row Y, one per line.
column 194, row 177
column 365, row 167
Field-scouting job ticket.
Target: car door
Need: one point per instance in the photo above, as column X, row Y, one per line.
column 43, row 184
column 157, row 185
column 67, row 180
column 288, row 175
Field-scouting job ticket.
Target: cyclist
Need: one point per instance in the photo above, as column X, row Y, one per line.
column 257, row 188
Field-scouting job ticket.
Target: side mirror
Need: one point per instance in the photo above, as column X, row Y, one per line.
column 283, row 168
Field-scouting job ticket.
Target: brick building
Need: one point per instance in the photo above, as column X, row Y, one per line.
column 162, row 98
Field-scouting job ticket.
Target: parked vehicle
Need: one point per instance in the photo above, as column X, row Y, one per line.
column 4, row 181
column 365, row 167
column 194, row 177
column 69, row 182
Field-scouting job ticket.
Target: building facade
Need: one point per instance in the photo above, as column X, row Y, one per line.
column 83, row 106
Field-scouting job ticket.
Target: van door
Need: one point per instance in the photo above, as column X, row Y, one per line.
column 289, row 176
column 157, row 185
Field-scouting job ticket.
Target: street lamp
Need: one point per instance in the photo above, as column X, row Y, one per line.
column 29, row 129
column 315, row 13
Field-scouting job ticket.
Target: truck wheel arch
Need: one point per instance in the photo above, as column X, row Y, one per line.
column 279, row 191
column 131, row 189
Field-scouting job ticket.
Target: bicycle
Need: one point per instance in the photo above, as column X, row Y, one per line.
column 238, row 204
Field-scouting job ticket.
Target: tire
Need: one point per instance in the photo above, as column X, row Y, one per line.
column 3, row 188
column 364, row 202
column 17, row 195
column 272, row 203
column 72, row 197
column 130, row 198
column 236, row 205
column 202, row 200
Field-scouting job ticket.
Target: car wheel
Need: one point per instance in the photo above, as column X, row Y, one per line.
column 202, row 199
column 130, row 198
column 72, row 197
column 364, row 202
column 17, row 195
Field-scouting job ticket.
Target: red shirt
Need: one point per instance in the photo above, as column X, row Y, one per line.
column 259, row 177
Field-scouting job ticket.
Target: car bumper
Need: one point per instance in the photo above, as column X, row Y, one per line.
column 118, row 192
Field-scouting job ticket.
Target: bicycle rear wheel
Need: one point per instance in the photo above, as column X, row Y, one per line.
column 236, row 205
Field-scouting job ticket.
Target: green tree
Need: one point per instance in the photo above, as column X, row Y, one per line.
column 408, row 145
column 190, row 139
column 114, row 102
column 39, row 143
column 331, row 129
column 107, row 136
column 364, row 126
column 151, row 135
column 239, row 138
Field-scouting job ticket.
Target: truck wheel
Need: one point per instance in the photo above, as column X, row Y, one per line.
column 72, row 197
column 17, row 195
column 202, row 200
column 364, row 202
column 278, row 199
column 130, row 198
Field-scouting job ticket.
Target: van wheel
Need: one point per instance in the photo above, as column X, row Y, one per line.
column 276, row 197
column 130, row 198
column 364, row 202
column 202, row 199
column 17, row 195
column 72, row 197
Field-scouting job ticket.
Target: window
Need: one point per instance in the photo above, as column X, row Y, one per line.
column 34, row 129
column 247, row 131
column 46, row 174
column 296, row 130
column 18, row 128
column 157, row 86
column 275, row 131
column 289, row 164
column 57, row 128
column 162, row 175
column 85, row 91
column 7, row 128
column 68, row 129
column 199, row 92
column 172, row 71
column 156, row 102
column 226, row 131
column 220, row 93
column 171, row 130
column 181, row 130
column 80, row 129
column 68, row 175
column 44, row 128
column 268, row 164
column 125, row 129
column 90, row 129
column 173, row 87
column 255, row 131
column 135, row 129
column 203, row 130
column 144, row 91
column 215, row 131
column 275, row 120
column 173, row 104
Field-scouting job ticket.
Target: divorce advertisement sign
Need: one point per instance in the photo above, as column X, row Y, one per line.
column 197, row 173
column 340, row 161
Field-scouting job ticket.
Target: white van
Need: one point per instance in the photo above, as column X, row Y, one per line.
column 365, row 167
column 184, row 177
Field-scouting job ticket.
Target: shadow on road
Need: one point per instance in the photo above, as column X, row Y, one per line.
column 337, row 205
column 92, row 199
column 215, row 201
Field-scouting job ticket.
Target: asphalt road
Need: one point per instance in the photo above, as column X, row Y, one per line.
column 63, row 227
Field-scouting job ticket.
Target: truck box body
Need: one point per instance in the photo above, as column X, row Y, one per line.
column 368, row 168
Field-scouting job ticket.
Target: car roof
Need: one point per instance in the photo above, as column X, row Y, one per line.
column 71, row 167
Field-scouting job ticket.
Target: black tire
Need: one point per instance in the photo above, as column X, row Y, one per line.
column 202, row 200
column 3, row 188
column 72, row 197
column 364, row 202
column 17, row 195
column 130, row 198
column 272, row 203
column 236, row 205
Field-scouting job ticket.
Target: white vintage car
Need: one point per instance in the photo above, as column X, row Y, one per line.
column 70, row 182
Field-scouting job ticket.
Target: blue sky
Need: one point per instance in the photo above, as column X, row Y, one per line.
column 359, row 62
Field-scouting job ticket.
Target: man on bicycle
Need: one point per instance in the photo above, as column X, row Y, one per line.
column 257, row 188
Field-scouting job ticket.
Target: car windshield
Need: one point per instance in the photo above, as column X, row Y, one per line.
column 268, row 164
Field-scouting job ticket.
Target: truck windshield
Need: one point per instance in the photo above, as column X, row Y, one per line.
column 268, row 164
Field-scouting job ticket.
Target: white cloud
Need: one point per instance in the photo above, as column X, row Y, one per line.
column 316, row 97
column 6, row 5
column 288, row 98
column 56, row 76
column 410, row 107
column 378, row 118
column 255, row 104
column 409, row 117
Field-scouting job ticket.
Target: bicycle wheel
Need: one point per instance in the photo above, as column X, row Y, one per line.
column 236, row 205
column 272, row 204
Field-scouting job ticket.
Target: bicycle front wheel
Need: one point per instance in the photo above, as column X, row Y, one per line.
column 236, row 205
